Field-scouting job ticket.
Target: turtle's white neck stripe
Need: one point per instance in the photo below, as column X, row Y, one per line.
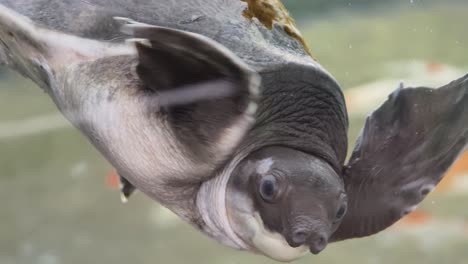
column 211, row 202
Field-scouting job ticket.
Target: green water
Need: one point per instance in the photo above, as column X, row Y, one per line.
column 57, row 208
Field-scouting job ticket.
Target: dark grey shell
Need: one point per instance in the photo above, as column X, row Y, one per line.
column 301, row 106
column 221, row 20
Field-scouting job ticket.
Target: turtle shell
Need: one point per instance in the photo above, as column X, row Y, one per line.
column 301, row 105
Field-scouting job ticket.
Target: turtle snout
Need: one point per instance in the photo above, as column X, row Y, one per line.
column 317, row 241
column 298, row 238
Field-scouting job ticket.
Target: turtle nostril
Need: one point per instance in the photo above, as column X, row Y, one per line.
column 300, row 237
column 318, row 245
column 321, row 241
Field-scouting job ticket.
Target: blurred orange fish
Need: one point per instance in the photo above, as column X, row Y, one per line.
column 434, row 67
column 113, row 180
column 460, row 168
column 417, row 217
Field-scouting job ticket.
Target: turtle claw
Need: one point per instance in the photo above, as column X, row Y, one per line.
column 123, row 198
column 401, row 85
column 127, row 24
column 126, row 189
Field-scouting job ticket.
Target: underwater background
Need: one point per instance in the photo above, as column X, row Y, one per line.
column 59, row 201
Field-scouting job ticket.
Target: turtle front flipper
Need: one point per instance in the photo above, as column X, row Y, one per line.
column 405, row 149
column 126, row 189
column 41, row 54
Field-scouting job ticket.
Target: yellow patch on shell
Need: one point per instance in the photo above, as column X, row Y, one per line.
column 273, row 11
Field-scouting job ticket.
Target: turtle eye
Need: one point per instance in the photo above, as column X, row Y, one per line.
column 268, row 188
column 341, row 212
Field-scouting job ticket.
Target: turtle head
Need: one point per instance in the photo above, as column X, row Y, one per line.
column 284, row 202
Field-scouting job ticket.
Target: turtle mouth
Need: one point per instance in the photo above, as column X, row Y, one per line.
column 272, row 244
